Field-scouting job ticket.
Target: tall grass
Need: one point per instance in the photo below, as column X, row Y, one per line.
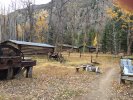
column 53, row 80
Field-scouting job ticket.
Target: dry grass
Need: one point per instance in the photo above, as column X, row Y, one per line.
column 54, row 81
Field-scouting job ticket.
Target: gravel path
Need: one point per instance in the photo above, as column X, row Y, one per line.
column 101, row 88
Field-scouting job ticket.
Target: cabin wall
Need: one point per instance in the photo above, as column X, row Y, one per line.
column 87, row 49
column 67, row 49
column 29, row 50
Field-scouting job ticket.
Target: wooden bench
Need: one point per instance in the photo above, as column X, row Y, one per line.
column 126, row 70
column 89, row 67
column 81, row 67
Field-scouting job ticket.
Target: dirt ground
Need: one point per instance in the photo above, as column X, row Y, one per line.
column 54, row 81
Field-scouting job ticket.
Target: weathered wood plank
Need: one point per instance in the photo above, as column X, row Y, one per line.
column 129, row 78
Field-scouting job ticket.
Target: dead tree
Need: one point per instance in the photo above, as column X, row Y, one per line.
column 29, row 12
column 58, row 21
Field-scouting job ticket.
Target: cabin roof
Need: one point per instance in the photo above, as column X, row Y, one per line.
column 30, row 43
column 67, row 45
column 90, row 47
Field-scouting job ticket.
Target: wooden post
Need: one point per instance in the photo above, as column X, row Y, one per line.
column 69, row 53
column 80, row 54
column 84, row 68
column 9, row 73
column 91, row 59
column 20, row 47
column 122, row 80
column 77, row 69
column 29, row 72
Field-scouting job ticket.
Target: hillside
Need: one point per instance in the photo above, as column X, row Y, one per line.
column 76, row 17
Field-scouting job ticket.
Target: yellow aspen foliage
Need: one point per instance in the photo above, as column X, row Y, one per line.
column 124, row 26
column 95, row 41
column 41, row 26
column 41, row 23
column 124, row 15
column 19, row 29
column 112, row 13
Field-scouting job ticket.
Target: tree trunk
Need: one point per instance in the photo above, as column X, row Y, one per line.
column 129, row 49
column 84, row 42
column 97, row 45
column 0, row 35
column 129, row 41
